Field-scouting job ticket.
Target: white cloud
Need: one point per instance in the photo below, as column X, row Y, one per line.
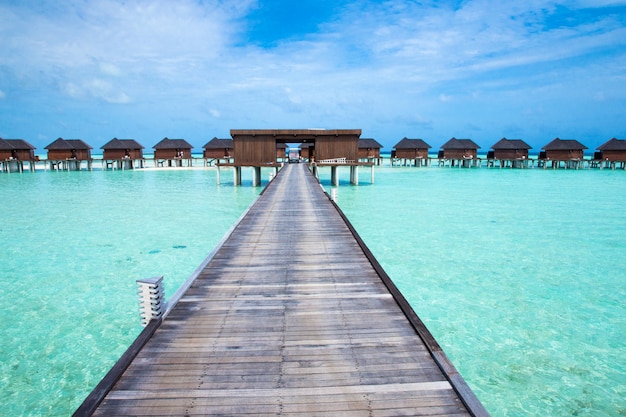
column 2, row 95
column 99, row 89
column 599, row 3
column 110, row 69
column 376, row 63
column 186, row 47
column 143, row 42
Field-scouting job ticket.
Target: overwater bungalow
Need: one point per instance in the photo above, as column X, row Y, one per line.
column 306, row 150
column 122, row 154
column 463, row 152
column 369, row 150
column 217, row 150
column 611, row 154
column 172, row 152
column 570, row 152
column 68, row 154
column 281, row 152
column 509, row 152
column 412, row 151
column 14, row 153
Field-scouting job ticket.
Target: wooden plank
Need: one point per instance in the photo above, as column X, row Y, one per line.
column 289, row 317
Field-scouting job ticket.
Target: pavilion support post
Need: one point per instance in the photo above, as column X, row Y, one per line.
column 256, row 176
column 151, row 299
column 354, row 175
column 334, row 179
column 218, row 174
column 372, row 174
column 237, row 175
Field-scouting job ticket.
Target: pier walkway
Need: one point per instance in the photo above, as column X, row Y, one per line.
column 291, row 316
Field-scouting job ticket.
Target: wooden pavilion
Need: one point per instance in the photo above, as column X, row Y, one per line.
column 122, row 154
column 462, row 151
column 68, row 154
column 173, row 152
column 257, row 148
column 407, row 150
column 568, row 151
column 509, row 152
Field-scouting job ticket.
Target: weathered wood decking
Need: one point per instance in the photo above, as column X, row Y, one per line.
column 289, row 317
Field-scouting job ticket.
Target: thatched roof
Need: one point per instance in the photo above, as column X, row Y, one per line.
column 167, row 143
column 15, row 144
column 68, row 144
column 613, row 145
column 281, row 146
column 78, row 144
column 116, row 143
column 564, row 145
column 455, row 143
column 412, row 144
column 306, row 145
column 5, row 146
column 216, row 143
column 510, row 144
column 367, row 143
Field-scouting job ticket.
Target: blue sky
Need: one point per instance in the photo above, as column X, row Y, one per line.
column 479, row 69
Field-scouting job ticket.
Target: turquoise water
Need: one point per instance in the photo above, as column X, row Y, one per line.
column 73, row 244
column 518, row 274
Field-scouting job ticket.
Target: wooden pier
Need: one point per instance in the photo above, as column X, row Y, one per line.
column 291, row 315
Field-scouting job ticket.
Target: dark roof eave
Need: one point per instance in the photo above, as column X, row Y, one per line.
column 173, row 144
column 406, row 143
column 459, row 144
column 564, row 145
column 613, row 145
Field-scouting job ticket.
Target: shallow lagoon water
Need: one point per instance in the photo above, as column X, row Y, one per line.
column 73, row 244
column 517, row 273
